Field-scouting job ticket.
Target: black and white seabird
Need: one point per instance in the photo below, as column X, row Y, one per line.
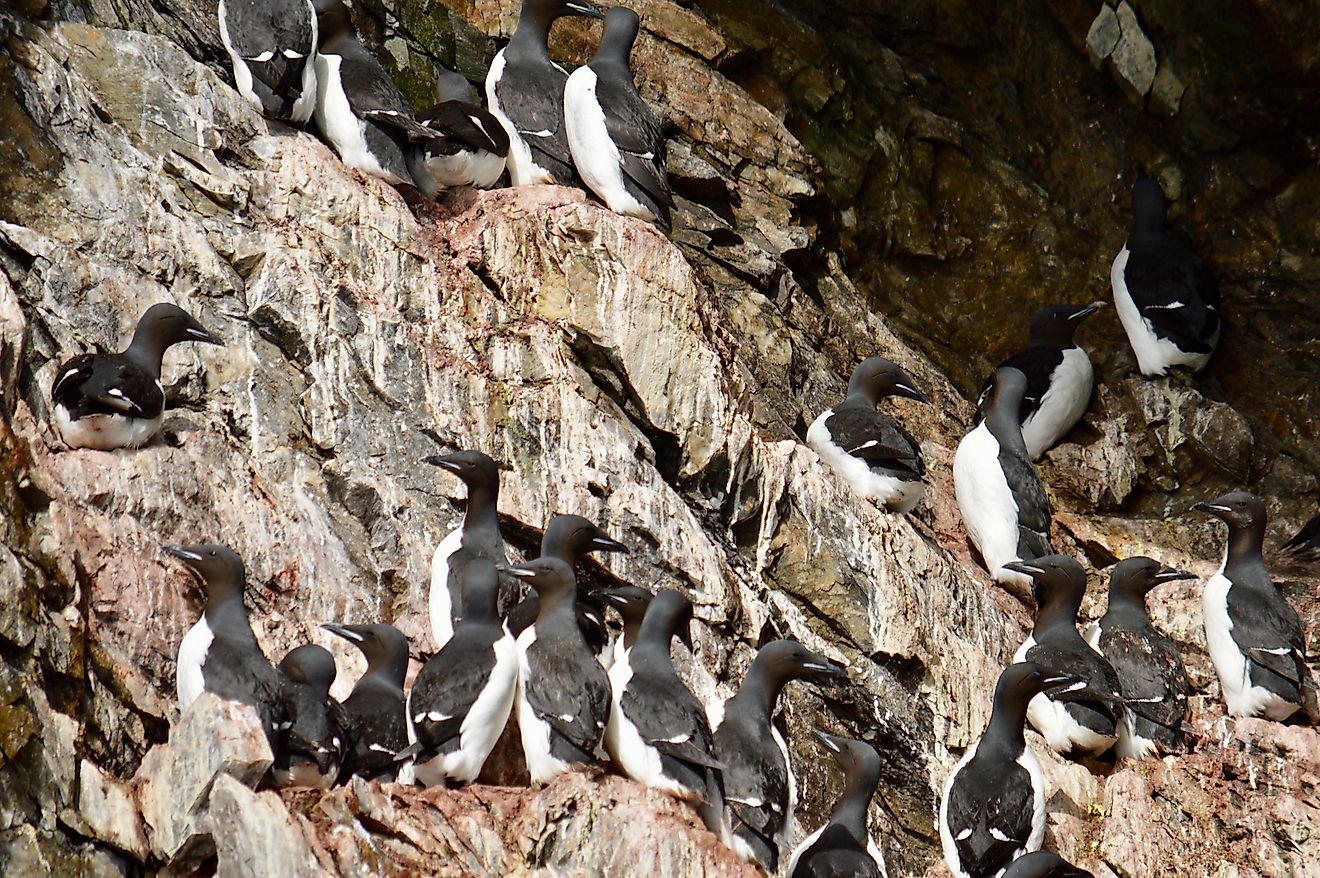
column 108, row 401
column 1000, row 494
column 1254, row 636
column 359, row 109
column 570, row 538
column 630, row 602
column 657, row 731
column 477, row 537
column 1149, row 666
column 563, row 692
column 461, row 699
column 843, row 848
column 311, row 746
column 1166, row 297
column 1059, row 376
column 220, row 654
column 378, row 726
column 471, row 145
column 1044, row 864
column 759, row 785
column 1083, row 720
column 525, row 91
column 993, row 806
column 272, row 48
column 872, row 451
column 617, row 145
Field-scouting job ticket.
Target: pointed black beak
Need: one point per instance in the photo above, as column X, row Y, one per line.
column 1023, row 567
column 608, row 596
column 1061, row 681
column 584, row 9
column 1209, row 507
column 516, row 571
column 1083, row 313
column 833, row 744
column 183, row 553
column 344, row 631
column 444, row 461
column 602, row 543
column 824, row 671
column 911, row 392
column 1169, row 574
column 685, row 633
column 197, row 332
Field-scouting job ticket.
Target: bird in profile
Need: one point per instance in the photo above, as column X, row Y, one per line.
column 630, row 602
column 525, row 91
column 1149, row 665
column 1166, row 297
column 314, row 737
column 992, row 810
column 1059, row 377
column 617, row 145
column 870, row 450
column 272, row 50
column 377, row 722
column 106, row 400
column 843, row 848
column 470, row 147
column 1255, row 638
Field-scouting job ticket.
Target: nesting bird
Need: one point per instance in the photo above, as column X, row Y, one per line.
column 525, row 91
column 1059, row 376
column 617, row 145
column 1000, row 494
column 106, row 400
column 1167, row 299
column 563, row 692
column 461, row 699
column 470, row 147
column 1254, row 636
column 1084, row 718
column 313, row 743
column 992, row 810
column 759, row 785
column 870, row 450
column 272, row 48
column 1149, row 666
column 843, row 848
column 477, row 537
column 375, row 708
column 220, row 654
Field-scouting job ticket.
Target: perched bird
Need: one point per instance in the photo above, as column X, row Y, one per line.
column 461, row 699
column 630, row 602
column 471, row 145
column 1254, row 636
column 311, row 748
column 1305, row 544
column 1149, row 666
column 220, row 654
column 478, row 537
column 1167, row 299
column 1000, row 494
column 843, row 848
column 359, row 109
column 657, row 730
column 525, row 91
column 1059, row 377
column 870, row 450
column 1044, row 864
column 563, row 693
column 759, row 785
column 616, row 142
column 378, row 727
column 570, row 538
column 1083, row 719
column 108, row 401
column 993, row 806
column 272, row 47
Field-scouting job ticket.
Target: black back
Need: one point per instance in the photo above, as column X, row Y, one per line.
column 463, row 127
column 1003, row 420
column 375, row 707
column 1044, row 864
column 316, row 725
column 836, row 854
column 108, row 384
column 258, row 27
column 856, row 424
column 992, row 794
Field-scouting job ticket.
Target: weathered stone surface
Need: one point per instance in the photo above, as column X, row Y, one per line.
column 255, row 836
column 1133, row 57
column 1103, row 36
column 109, row 811
column 213, row 739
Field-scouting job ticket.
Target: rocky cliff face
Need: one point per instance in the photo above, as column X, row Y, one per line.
column 848, row 188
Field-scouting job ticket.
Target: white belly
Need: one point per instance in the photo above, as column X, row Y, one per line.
column 626, row 746
column 345, row 131
column 541, row 764
column 439, row 601
column 188, row 665
column 988, row 509
column 1063, row 404
column 594, row 154
column 1154, row 354
column 894, row 494
column 786, row 832
column 523, row 170
column 1130, row 744
column 1055, row 724
column 1241, row 697
column 484, row 723
column 435, row 174
column 105, row 432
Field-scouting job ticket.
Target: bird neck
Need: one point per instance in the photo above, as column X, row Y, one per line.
column 1006, row 723
column 1148, row 225
column 389, row 671
column 226, row 611
column 482, row 507
column 757, row 695
column 1058, row 613
column 1244, row 545
column 147, row 350
column 850, row 811
column 860, row 394
column 1003, row 417
column 532, row 35
column 557, row 602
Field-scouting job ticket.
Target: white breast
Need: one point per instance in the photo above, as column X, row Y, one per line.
column 786, row 832
column 988, row 509
column 105, row 432
column 626, row 746
column 894, row 494
column 1155, row 354
column 541, row 765
column 523, row 169
column 1240, row 696
column 439, row 601
column 1063, row 404
column 1055, row 724
column 485, row 722
column 188, row 666
column 345, row 131
column 595, row 155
